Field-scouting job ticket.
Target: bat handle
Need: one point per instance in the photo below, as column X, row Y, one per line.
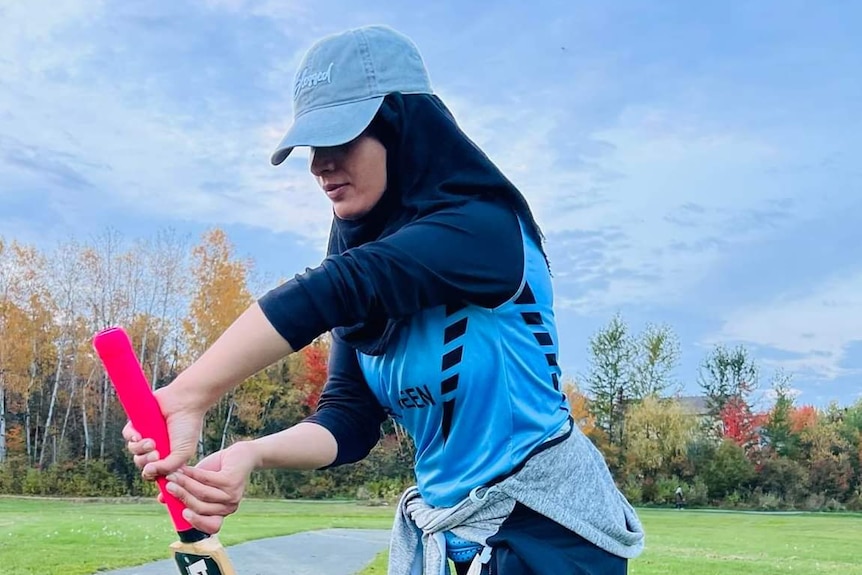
column 114, row 348
column 186, row 532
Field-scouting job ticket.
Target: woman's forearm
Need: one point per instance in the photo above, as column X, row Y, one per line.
column 304, row 446
column 249, row 345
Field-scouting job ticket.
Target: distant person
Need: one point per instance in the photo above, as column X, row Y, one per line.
column 678, row 496
column 438, row 295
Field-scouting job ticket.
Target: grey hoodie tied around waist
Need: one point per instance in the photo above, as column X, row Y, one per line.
column 568, row 483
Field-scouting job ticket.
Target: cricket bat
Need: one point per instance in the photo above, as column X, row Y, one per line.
column 196, row 552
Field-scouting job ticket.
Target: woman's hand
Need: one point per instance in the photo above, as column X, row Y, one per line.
column 213, row 488
column 184, row 421
column 250, row 344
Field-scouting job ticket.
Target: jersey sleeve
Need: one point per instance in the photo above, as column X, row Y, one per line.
column 473, row 253
column 347, row 408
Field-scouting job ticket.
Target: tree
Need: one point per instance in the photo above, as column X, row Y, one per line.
column 108, row 300
column 657, row 432
column 166, row 265
column 611, row 376
column 725, row 374
column 219, row 296
column 658, row 353
column 777, row 429
column 729, row 471
column 579, row 408
column 829, row 458
column 36, row 333
column 310, row 371
column 803, row 417
column 6, row 310
column 66, row 284
column 782, row 477
column 740, row 425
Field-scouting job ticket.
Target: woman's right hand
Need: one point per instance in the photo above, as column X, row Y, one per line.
column 213, row 489
column 184, row 422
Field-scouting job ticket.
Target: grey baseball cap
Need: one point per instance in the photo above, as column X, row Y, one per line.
column 342, row 81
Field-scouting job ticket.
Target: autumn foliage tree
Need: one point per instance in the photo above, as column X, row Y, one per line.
column 310, row 371
column 219, row 296
column 657, row 433
column 60, row 421
column 580, row 408
column 739, row 423
column 802, row 418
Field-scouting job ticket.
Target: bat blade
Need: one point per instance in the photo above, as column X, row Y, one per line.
column 196, row 553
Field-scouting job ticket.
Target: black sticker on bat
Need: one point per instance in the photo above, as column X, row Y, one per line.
column 191, row 564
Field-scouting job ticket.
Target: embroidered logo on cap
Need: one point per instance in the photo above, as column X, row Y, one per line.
column 310, row 79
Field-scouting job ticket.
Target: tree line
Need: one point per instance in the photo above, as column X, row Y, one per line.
column 60, row 421
column 722, row 446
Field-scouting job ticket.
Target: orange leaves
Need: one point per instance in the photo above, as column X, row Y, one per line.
column 802, row 418
column 579, row 407
column 740, row 424
column 220, row 292
column 311, row 372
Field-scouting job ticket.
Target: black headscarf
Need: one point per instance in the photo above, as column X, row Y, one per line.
column 430, row 165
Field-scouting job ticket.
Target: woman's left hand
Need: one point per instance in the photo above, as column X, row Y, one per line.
column 212, row 489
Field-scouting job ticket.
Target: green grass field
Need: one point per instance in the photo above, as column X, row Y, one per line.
column 712, row 543
column 53, row 537
column 56, row 537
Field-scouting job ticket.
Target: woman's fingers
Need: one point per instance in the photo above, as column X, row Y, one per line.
column 129, row 432
column 140, row 447
column 203, row 500
column 142, row 460
column 207, row 493
column 207, row 523
column 216, row 478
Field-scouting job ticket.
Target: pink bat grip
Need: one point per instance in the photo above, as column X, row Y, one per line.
column 115, row 350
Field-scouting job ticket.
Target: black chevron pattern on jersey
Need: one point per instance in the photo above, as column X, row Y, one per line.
column 455, row 329
column 533, row 319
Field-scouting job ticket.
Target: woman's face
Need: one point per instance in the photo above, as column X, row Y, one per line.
column 353, row 175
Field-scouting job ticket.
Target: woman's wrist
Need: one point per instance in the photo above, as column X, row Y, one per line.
column 249, row 450
column 190, row 395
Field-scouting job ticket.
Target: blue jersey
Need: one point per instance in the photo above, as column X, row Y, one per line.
column 472, row 372
column 477, row 388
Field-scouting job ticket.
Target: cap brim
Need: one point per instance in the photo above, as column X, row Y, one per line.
column 330, row 126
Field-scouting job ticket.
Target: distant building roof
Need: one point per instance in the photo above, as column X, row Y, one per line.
column 695, row 404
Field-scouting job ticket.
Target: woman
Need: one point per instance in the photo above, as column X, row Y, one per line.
column 438, row 295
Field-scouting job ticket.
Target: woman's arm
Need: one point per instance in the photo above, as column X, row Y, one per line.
column 347, row 408
column 473, row 253
column 304, row 446
column 249, row 345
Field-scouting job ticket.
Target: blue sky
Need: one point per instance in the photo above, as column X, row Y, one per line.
column 692, row 163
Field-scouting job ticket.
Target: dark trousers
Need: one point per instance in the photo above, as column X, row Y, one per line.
column 529, row 543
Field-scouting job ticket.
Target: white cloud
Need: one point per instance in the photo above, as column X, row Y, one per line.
column 37, row 20
column 676, row 192
column 279, row 10
column 817, row 328
column 679, row 194
column 132, row 147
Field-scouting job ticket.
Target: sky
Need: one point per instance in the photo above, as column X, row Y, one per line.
column 691, row 163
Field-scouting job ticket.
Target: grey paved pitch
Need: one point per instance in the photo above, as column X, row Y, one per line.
column 323, row 552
